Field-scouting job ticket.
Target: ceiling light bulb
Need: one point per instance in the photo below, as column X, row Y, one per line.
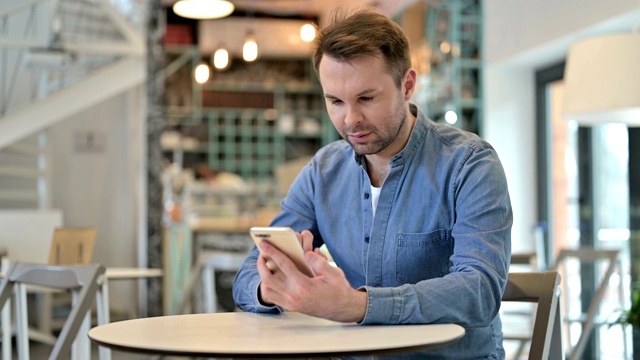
column 221, row 58
column 202, row 73
column 250, row 49
column 451, row 117
column 307, row 32
column 203, row 9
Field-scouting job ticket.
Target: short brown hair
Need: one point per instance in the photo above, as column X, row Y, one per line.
column 364, row 33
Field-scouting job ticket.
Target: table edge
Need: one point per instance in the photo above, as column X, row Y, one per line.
column 394, row 350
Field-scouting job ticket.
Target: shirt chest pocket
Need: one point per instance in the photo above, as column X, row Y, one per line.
column 422, row 256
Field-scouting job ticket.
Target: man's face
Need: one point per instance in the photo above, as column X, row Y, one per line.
column 364, row 104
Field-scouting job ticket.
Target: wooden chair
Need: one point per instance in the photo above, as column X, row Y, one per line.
column 81, row 280
column 72, row 246
column 542, row 288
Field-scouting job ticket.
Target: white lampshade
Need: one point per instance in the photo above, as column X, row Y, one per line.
column 221, row 58
column 602, row 80
column 203, row 9
column 202, row 73
column 250, row 48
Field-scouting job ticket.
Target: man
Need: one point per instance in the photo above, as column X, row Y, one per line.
column 416, row 215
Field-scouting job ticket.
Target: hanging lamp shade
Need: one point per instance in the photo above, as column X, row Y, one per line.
column 602, row 80
column 250, row 48
column 221, row 58
column 203, row 9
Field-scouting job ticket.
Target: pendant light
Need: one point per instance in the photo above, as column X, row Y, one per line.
column 203, row 9
column 202, row 73
column 250, row 48
column 221, row 58
column 307, row 32
column 601, row 80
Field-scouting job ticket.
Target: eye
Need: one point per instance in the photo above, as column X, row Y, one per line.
column 336, row 102
column 366, row 98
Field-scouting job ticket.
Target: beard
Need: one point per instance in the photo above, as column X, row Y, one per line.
column 382, row 137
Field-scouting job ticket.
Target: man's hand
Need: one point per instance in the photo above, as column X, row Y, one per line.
column 327, row 295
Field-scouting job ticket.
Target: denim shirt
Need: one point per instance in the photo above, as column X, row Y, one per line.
column 438, row 249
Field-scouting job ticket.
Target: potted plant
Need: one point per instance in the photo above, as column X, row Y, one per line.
column 631, row 316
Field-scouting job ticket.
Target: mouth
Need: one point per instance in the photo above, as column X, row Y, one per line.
column 359, row 138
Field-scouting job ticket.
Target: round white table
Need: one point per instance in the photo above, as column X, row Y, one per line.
column 239, row 334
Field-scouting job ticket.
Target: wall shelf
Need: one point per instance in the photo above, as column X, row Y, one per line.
column 244, row 127
column 454, row 81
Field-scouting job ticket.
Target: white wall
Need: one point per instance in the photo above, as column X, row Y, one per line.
column 99, row 186
column 521, row 37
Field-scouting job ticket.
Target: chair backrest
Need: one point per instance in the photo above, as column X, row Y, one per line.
column 542, row 288
column 82, row 280
column 72, row 246
column 587, row 255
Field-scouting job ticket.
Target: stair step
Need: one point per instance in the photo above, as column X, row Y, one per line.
column 22, row 149
column 18, row 195
column 21, row 172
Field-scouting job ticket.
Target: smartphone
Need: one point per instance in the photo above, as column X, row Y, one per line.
column 285, row 239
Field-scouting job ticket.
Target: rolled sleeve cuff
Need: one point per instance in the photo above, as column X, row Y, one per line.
column 384, row 306
column 259, row 307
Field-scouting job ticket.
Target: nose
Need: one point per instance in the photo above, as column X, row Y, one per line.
column 353, row 117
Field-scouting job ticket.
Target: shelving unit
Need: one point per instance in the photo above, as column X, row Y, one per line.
column 246, row 127
column 453, row 31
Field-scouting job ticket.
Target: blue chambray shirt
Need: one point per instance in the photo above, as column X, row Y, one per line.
column 438, row 249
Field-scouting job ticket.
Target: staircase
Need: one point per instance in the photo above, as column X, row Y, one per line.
column 58, row 57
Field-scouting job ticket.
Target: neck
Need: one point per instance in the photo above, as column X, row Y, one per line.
column 377, row 169
column 378, row 164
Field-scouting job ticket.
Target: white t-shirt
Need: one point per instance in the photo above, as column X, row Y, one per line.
column 375, row 195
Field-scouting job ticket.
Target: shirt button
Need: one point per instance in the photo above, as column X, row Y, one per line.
column 366, row 195
column 366, row 239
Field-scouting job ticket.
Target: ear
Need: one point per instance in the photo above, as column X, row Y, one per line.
column 409, row 83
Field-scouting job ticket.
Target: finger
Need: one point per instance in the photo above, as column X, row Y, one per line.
column 263, row 269
column 266, row 274
column 318, row 262
column 288, row 269
column 269, row 285
column 307, row 240
column 319, row 252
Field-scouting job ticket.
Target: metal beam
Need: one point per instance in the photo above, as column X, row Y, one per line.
column 102, row 47
column 97, row 87
column 123, row 25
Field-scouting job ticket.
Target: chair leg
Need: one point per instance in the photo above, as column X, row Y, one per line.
column 81, row 348
column 45, row 320
column 556, row 349
column 22, row 325
column 102, row 303
column 82, row 337
column 6, row 330
column 209, row 289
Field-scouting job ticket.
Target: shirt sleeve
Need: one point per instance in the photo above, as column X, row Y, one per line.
column 246, row 286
